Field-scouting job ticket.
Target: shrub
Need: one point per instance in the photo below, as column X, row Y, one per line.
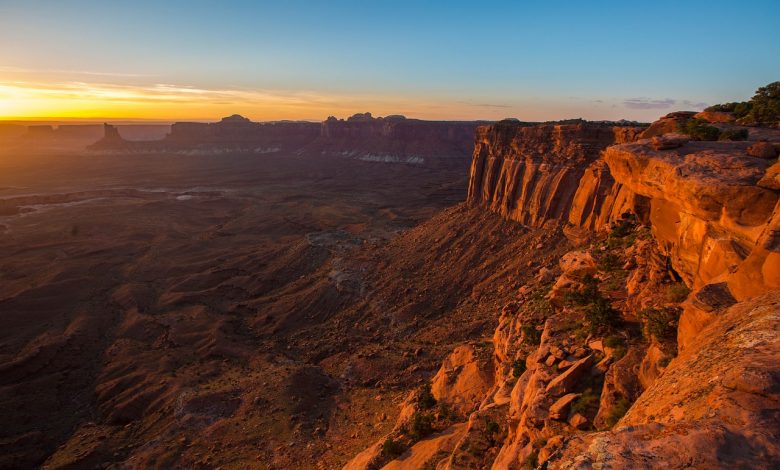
column 588, row 294
column 491, row 429
column 660, row 322
column 518, row 367
column 764, row 107
column 609, row 262
column 422, row 425
column 723, row 107
column 677, row 292
column 600, row 314
column 618, row 411
column 444, row 412
column 698, row 129
column 425, row 398
column 734, row 134
column 532, row 461
column 624, row 227
column 765, row 104
column 531, row 335
column 585, row 402
column 618, row 344
column 392, row 448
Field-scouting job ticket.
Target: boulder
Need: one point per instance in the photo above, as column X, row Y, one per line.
column 560, row 409
column 566, row 381
column 765, row 150
column 669, row 141
column 463, row 379
column 578, row 421
column 771, row 179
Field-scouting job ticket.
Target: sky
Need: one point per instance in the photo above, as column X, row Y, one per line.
column 533, row 60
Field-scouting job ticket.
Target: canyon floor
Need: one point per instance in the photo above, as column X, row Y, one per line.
column 200, row 312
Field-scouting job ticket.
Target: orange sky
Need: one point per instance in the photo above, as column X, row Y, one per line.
column 30, row 100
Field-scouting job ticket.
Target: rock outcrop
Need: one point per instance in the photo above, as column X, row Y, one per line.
column 716, row 406
column 706, row 210
column 654, row 344
column 531, row 174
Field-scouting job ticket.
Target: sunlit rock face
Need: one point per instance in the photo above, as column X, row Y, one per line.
column 715, row 406
column 707, row 210
column 531, row 174
column 676, row 242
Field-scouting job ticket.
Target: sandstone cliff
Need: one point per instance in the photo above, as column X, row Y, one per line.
column 653, row 344
column 531, row 173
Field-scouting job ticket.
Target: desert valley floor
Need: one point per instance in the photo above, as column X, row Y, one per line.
column 207, row 310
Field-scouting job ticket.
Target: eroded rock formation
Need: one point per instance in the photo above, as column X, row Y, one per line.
column 654, row 344
column 531, row 173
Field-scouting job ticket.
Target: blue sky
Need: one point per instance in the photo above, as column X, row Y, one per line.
column 294, row 59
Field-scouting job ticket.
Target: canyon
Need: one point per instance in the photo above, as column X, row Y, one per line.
column 651, row 342
column 392, row 293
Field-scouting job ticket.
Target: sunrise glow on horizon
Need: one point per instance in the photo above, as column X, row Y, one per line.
column 309, row 60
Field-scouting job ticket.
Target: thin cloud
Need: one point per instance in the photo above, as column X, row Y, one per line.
column 12, row 69
column 484, row 105
column 649, row 103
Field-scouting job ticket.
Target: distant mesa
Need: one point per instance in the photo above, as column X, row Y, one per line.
column 390, row 139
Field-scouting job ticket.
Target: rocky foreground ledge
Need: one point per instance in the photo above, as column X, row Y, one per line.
column 652, row 344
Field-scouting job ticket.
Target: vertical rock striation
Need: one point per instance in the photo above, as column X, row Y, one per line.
column 531, row 174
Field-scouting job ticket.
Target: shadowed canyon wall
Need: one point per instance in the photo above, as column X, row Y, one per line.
column 392, row 139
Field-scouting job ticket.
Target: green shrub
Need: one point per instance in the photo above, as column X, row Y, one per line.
column 425, row 398
column 392, row 448
column 723, row 107
column 677, row 292
column 764, row 107
column 422, row 425
column 624, row 227
column 598, row 312
column 618, row 411
column 600, row 315
column 618, row 344
column 588, row 294
column 585, row 402
column 518, row 367
column 492, row 428
column 698, row 129
column 610, row 262
column 444, row 411
column 532, row 461
column 765, row 104
column 531, row 336
column 734, row 134
column 660, row 322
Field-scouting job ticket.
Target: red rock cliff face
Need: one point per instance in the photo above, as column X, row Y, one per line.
column 531, row 173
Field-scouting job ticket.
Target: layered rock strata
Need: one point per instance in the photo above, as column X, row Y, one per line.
column 654, row 344
column 531, row 174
